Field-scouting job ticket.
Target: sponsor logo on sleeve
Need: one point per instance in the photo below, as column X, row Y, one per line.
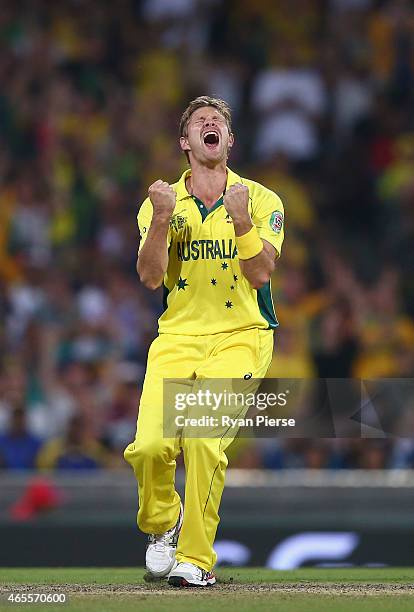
column 276, row 221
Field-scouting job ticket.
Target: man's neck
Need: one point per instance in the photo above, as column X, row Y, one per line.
column 207, row 184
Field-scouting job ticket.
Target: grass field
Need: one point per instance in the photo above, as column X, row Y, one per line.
column 247, row 589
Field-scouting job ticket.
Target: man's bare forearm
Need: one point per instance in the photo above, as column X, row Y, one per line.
column 152, row 261
column 258, row 269
column 153, row 258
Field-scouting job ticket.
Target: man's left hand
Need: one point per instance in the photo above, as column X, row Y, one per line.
column 236, row 200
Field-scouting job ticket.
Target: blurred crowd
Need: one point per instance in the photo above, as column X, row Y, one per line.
column 322, row 93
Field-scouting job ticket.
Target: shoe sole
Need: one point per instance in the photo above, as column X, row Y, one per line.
column 178, row 581
column 148, row 577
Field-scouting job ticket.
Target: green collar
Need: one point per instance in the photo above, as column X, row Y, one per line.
column 204, row 211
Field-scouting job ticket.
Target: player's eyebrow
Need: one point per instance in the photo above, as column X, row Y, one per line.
column 215, row 116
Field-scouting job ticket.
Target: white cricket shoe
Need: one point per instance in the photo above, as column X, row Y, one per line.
column 161, row 549
column 188, row 575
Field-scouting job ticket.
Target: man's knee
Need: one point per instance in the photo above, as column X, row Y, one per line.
column 147, row 450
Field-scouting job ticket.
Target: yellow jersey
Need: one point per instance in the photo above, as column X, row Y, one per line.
column 204, row 289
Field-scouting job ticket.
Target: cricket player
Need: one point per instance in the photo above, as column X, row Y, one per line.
column 211, row 240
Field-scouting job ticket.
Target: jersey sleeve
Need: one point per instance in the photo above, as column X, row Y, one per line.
column 144, row 219
column 269, row 218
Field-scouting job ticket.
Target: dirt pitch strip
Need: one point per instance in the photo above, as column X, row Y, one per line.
column 247, row 589
column 306, row 588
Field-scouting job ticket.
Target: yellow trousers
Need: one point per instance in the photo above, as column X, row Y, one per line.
column 152, row 456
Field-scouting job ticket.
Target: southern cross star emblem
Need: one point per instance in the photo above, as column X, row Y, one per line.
column 229, row 304
column 182, row 283
column 224, row 265
column 214, row 282
column 232, row 287
column 236, row 278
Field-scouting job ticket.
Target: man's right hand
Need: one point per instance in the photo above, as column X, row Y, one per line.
column 162, row 197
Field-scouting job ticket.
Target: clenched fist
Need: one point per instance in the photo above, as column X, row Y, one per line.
column 162, row 197
column 236, row 200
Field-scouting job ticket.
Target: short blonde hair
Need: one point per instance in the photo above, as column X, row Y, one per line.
column 220, row 105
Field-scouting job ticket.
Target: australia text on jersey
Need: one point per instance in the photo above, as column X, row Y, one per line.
column 206, row 249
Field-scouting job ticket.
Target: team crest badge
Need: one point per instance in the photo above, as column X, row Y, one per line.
column 276, row 221
column 177, row 222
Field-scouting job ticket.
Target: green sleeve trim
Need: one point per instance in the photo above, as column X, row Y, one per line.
column 165, row 293
column 165, row 290
column 265, row 303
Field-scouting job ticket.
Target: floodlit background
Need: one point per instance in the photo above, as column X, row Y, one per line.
column 91, row 93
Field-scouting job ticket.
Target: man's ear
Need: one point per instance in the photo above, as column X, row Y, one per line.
column 184, row 144
column 231, row 143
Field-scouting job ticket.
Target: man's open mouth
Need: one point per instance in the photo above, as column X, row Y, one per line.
column 211, row 138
